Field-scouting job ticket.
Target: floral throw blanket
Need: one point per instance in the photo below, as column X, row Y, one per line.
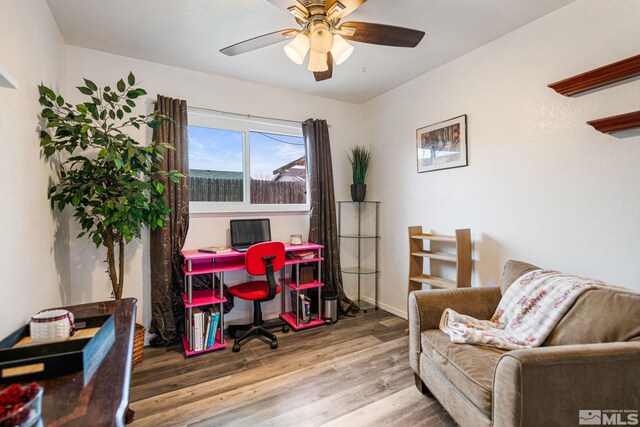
column 526, row 314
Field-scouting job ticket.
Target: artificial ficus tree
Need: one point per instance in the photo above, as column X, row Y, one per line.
column 112, row 181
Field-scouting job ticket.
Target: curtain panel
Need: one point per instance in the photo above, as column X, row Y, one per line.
column 166, row 242
column 323, row 228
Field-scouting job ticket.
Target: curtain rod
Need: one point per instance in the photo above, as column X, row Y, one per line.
column 248, row 116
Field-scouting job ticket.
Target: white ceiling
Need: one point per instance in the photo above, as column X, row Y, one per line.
column 189, row 34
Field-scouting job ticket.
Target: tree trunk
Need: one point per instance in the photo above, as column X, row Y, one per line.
column 111, row 259
column 118, row 294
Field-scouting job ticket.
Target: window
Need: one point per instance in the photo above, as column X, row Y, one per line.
column 245, row 164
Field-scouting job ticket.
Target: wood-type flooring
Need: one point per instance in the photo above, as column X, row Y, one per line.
column 353, row 373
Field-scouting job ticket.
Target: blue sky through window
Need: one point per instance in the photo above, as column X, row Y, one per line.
column 272, row 151
column 221, row 150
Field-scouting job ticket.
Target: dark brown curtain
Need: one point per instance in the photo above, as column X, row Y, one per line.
column 323, row 228
column 166, row 275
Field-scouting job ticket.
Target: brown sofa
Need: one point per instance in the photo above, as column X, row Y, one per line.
column 590, row 361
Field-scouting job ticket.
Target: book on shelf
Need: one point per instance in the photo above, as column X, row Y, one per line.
column 207, row 321
column 215, row 319
column 215, row 249
column 198, row 326
column 303, row 255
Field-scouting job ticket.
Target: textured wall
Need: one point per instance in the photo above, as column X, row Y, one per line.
column 541, row 185
column 34, row 257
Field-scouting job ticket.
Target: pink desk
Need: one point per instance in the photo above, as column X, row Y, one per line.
column 196, row 262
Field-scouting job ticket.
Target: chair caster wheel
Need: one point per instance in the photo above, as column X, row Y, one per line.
column 274, row 345
column 236, row 348
column 285, row 329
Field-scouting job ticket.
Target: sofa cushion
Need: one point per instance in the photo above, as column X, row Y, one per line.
column 599, row 316
column 468, row 367
column 513, row 270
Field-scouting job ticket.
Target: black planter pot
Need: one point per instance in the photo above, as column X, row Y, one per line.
column 358, row 192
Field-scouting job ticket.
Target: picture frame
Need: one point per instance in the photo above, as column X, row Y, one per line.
column 442, row 145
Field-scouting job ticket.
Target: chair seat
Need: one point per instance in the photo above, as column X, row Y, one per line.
column 468, row 367
column 252, row 291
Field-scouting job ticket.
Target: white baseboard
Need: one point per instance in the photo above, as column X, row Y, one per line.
column 385, row 307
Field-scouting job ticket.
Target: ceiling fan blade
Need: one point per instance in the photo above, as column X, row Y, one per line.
column 350, row 6
column 259, row 42
column 387, row 35
column 325, row 75
column 286, row 4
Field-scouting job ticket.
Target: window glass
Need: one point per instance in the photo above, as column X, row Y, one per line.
column 215, row 165
column 243, row 164
column 278, row 166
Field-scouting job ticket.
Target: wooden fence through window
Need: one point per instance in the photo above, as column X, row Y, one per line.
column 231, row 190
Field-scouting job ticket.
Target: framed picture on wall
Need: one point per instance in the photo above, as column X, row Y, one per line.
column 442, row 145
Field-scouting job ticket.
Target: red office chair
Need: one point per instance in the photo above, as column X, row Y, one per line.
column 261, row 259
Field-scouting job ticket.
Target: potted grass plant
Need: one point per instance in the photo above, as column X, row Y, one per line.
column 112, row 182
column 360, row 158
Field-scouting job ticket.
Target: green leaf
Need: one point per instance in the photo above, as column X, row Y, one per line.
column 60, row 101
column 120, row 114
column 121, row 85
column 85, row 90
column 131, row 79
column 49, row 93
column 159, row 187
column 49, row 150
column 97, row 239
column 91, row 85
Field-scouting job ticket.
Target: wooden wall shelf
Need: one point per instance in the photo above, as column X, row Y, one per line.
column 418, row 255
column 612, row 73
column 618, row 123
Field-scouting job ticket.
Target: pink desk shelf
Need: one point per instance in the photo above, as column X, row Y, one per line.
column 196, row 263
column 203, row 297
column 290, row 318
column 217, row 345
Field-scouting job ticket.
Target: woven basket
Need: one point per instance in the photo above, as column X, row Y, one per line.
column 138, row 344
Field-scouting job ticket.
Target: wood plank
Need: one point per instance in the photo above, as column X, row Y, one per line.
column 611, row 73
column 435, row 238
column 314, row 377
column 441, row 256
column 436, row 282
column 619, row 123
column 463, row 258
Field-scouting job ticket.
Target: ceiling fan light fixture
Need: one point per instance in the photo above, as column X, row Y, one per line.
column 297, row 49
column 341, row 50
column 317, row 62
column 321, row 39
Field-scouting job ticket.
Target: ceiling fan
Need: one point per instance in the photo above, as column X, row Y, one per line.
column 324, row 36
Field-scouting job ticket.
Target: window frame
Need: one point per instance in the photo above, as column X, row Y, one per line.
column 246, row 124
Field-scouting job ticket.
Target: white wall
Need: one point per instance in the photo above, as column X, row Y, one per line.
column 88, row 280
column 541, row 185
column 34, row 258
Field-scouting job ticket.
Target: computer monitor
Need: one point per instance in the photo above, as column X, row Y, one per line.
column 247, row 232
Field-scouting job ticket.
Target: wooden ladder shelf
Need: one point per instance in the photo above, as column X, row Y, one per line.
column 418, row 254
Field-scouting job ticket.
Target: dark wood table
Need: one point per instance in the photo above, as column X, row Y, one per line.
column 103, row 401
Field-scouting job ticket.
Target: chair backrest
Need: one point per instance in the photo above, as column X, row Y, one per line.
column 265, row 259
column 256, row 264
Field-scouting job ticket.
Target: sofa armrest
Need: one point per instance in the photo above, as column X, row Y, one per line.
column 548, row 385
column 426, row 308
